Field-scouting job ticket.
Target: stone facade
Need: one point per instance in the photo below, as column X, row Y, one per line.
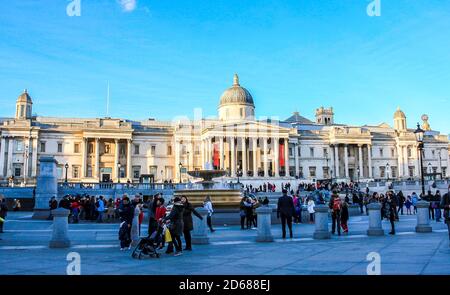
column 110, row 149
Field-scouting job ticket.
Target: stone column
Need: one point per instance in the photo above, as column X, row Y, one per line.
column 375, row 228
column 399, row 160
column 423, row 217
column 297, row 170
column 405, row 162
column 60, row 238
column 264, row 215
column 116, row 158
column 336, row 158
column 83, row 157
column 233, row 157
column 417, row 171
column 97, row 160
column 135, row 229
column 360, row 155
column 10, row 154
column 28, row 159
column 221, row 151
column 266, row 170
column 244, row 156
column 286, row 156
column 321, row 219
column 177, row 161
column 369, row 159
column 200, row 231
column 276, row 148
column 202, row 151
column 254, row 151
column 129, row 176
column 35, row 157
column 346, row 161
column 46, row 187
column 2, row 157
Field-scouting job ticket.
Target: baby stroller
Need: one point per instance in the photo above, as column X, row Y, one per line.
column 147, row 246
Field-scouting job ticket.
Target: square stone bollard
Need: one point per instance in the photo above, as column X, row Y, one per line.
column 423, row 219
column 60, row 239
column 264, row 232
column 375, row 228
column 321, row 219
column 200, row 231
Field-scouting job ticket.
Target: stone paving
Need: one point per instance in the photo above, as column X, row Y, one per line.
column 24, row 250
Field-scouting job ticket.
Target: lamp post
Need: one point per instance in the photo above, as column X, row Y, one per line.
column 179, row 167
column 418, row 133
column 67, row 167
column 118, row 174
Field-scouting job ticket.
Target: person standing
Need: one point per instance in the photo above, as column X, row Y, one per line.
column 175, row 224
column 401, row 202
column 207, row 204
column 75, row 207
column 243, row 211
column 311, row 210
column 445, row 204
column 414, row 201
column 389, row 211
column 285, row 210
column 437, row 206
column 188, row 224
column 100, row 209
column 335, row 206
column 430, row 198
column 126, row 214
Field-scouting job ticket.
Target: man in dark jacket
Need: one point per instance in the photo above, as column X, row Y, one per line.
column 126, row 214
column 188, row 223
column 175, row 224
column 285, row 210
column 445, row 204
column 335, row 206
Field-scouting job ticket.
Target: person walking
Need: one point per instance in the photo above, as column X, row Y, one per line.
column 445, row 204
column 188, row 224
column 175, row 225
column 311, row 210
column 408, row 205
column 126, row 214
column 437, row 206
column 100, row 207
column 207, row 204
column 401, row 202
column 345, row 215
column 285, row 210
column 335, row 206
column 389, row 211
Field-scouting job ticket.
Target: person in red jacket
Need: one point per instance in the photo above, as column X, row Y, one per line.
column 160, row 209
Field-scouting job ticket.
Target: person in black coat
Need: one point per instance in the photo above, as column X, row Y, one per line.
column 175, row 221
column 126, row 214
column 285, row 210
column 389, row 209
column 188, row 224
column 445, row 204
column 3, row 212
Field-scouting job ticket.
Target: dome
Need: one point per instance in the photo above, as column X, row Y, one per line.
column 236, row 94
column 399, row 114
column 24, row 97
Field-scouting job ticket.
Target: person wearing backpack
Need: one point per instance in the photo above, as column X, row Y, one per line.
column 335, row 206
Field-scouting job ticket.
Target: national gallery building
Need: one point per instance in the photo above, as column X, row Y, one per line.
column 110, row 149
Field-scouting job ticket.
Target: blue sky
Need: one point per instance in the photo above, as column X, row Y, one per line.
column 163, row 58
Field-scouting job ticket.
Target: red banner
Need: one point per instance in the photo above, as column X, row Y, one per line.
column 216, row 159
column 281, row 155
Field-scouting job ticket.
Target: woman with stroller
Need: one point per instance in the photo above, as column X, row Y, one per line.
column 188, row 223
column 175, row 222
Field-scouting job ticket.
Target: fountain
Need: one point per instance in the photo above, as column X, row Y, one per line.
column 221, row 197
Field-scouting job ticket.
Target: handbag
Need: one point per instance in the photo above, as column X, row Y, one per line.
column 167, row 236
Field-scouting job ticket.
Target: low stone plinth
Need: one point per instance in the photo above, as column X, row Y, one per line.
column 60, row 238
column 375, row 228
column 423, row 217
column 200, row 231
column 264, row 232
column 321, row 220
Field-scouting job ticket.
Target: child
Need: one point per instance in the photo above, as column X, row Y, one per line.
column 124, row 236
column 408, row 204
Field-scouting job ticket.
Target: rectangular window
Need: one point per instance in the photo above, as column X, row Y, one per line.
column 153, row 170
column 136, row 172
column 60, row 147
column 75, row 171
column 291, row 152
column 169, row 150
column 394, row 171
column 17, row 171
column 42, row 149
column 392, row 153
column 325, row 153
column 311, row 152
column 152, row 150
column 107, row 148
column 312, row 171
column 76, row 148
column 300, row 172
column 381, row 152
column 409, row 151
column 411, row 171
column 89, row 171
column 91, row 148
column 382, row 171
column 136, row 150
column 19, row 145
column 326, row 172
